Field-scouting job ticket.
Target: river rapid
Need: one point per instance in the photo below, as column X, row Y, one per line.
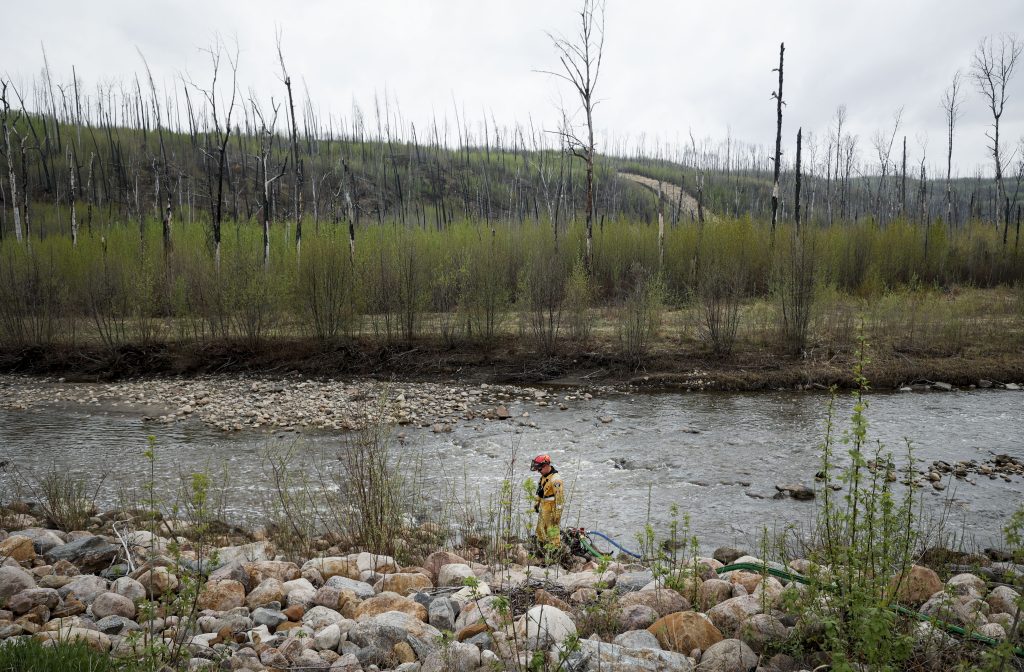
column 627, row 458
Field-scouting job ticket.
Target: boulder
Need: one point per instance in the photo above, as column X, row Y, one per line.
column 269, row 590
column 320, row 617
column 18, row 547
column 90, row 554
column 435, row 561
column 129, row 587
column 271, row 618
column 629, row 582
column 967, row 584
column 729, row 616
column 479, row 611
column 543, row 626
column 713, row 591
column 404, row 583
column 729, row 655
column 1002, row 600
column 328, row 638
column 915, row 586
column 86, row 588
column 442, row 613
column 748, row 580
column 454, row 657
column 258, row 551
column 362, row 589
column 117, row 625
column 454, row 574
column 575, row 580
column 391, row 602
column 637, row 617
column 663, row 600
column 333, row 566
column 727, row 555
column 993, row 630
column 232, row 570
column 411, row 625
column 42, row 539
column 963, row 611
column 380, row 564
column 271, row 569
column 595, row 656
column 14, row 580
column 637, row 639
column 541, row 596
column 761, row 631
column 221, row 595
column 94, row 639
column 112, row 604
column 29, row 599
column 158, row 581
column 685, row 631
column 338, row 599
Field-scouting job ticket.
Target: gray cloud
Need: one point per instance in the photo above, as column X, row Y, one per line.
column 670, row 67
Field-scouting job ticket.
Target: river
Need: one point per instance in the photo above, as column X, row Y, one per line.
column 716, row 456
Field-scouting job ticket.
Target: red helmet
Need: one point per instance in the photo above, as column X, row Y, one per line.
column 539, row 462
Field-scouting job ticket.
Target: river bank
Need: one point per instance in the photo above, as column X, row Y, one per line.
column 169, row 591
column 669, row 366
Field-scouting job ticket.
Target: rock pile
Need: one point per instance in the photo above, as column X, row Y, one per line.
column 233, row 403
column 256, row 610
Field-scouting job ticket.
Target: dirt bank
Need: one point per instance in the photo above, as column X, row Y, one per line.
column 511, row 362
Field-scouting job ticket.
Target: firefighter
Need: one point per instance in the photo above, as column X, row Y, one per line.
column 548, row 503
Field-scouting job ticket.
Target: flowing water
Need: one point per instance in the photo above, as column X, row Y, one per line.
column 717, row 456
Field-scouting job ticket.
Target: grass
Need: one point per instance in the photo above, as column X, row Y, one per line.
column 28, row 655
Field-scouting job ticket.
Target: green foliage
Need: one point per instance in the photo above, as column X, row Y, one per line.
column 28, row 655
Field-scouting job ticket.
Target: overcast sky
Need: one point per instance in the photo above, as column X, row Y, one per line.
column 670, row 66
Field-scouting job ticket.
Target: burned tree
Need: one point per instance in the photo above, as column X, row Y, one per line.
column 296, row 162
column 581, row 63
column 266, row 132
column 991, row 69
column 777, row 95
column 796, row 194
column 952, row 99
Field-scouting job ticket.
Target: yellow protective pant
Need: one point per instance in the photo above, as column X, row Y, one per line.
column 549, row 506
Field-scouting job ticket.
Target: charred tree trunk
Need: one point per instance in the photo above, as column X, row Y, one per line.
column 777, row 95
column 796, row 194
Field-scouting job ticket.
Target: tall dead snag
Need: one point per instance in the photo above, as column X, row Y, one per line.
column 581, row 63
column 266, row 149
column 6, row 122
column 163, row 175
column 796, row 194
column 991, row 69
column 296, row 163
column 222, row 135
column 951, row 101
column 777, row 95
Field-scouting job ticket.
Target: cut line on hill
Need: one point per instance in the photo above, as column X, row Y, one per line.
column 673, row 194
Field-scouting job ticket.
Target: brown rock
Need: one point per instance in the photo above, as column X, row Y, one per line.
column 748, row 580
column 916, row 585
column 269, row 590
column 404, row 583
column 294, row 612
column 112, row 604
column 685, row 631
column 158, row 581
column 287, row 625
column 65, row 568
column 471, row 631
column 404, row 653
column 271, row 569
column 386, row 601
column 712, row 592
column 542, row 596
column 335, row 566
column 17, row 547
column 72, row 607
column 637, row 617
column 222, row 595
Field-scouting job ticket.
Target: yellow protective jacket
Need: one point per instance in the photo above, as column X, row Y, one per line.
column 549, row 501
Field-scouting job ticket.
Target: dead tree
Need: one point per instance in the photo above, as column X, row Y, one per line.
column 796, row 194
column 991, row 69
column 777, row 95
column 266, row 148
column 296, row 162
column 222, row 135
column 7, row 124
column 163, row 177
column 952, row 99
column 581, row 63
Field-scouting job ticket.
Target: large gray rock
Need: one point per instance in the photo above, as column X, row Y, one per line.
column 117, row 625
column 320, row 617
column 1002, row 600
column 442, row 613
column 89, row 554
column 637, row 639
column 376, row 642
column 600, row 657
column 129, row 587
column 628, row 582
column 637, row 616
column 453, row 657
column 761, row 631
column 112, row 604
column 43, row 540
column 32, row 598
column 728, row 655
column 729, row 616
column 86, row 588
column 14, row 580
column 268, row 617
column 362, row 589
column 543, row 626
column 328, row 638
